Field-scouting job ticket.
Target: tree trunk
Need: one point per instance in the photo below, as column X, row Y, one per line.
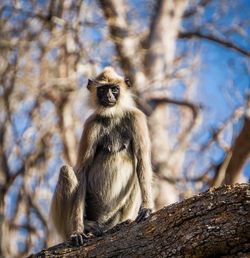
column 213, row 224
column 158, row 66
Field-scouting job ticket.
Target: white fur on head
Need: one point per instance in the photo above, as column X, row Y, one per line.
column 125, row 100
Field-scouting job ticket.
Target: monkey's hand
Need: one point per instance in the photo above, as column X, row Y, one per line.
column 77, row 239
column 143, row 214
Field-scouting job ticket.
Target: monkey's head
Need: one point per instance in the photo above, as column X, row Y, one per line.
column 109, row 92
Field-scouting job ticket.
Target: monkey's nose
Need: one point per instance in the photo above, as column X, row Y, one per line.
column 111, row 97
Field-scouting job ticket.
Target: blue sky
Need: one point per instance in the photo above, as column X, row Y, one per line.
column 213, row 89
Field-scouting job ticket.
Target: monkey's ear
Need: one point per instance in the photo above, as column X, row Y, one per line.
column 89, row 84
column 128, row 82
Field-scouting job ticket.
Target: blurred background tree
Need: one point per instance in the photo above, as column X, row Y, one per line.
column 189, row 64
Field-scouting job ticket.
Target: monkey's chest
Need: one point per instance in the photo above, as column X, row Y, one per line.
column 114, row 142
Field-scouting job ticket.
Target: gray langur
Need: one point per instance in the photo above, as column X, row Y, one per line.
column 111, row 181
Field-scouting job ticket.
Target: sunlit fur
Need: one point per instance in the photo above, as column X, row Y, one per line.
column 112, row 177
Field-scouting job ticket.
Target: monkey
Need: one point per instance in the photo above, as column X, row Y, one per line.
column 111, row 181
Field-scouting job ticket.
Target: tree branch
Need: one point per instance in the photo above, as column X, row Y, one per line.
column 211, row 224
column 161, row 40
column 240, row 153
column 229, row 170
column 198, row 34
column 193, row 107
column 126, row 45
column 196, row 8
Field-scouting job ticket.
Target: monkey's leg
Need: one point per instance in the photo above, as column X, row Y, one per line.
column 67, row 182
column 78, row 235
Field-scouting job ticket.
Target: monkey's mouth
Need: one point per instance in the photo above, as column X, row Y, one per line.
column 108, row 103
column 111, row 103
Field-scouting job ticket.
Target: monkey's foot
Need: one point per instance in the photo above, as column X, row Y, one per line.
column 92, row 228
column 77, row 239
column 143, row 214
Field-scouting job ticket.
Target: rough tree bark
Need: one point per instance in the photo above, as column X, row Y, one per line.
column 213, row 224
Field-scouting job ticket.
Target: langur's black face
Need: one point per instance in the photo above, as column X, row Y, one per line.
column 108, row 94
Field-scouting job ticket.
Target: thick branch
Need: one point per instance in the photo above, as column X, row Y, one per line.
column 198, row 34
column 195, row 108
column 211, row 224
column 126, row 45
column 229, row 170
column 148, row 105
column 240, row 153
column 161, row 40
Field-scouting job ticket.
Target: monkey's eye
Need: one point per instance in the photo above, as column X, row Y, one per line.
column 115, row 90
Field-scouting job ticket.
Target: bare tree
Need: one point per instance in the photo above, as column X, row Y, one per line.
column 48, row 50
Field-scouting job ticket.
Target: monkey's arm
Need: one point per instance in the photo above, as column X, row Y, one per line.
column 87, row 145
column 86, row 152
column 143, row 169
